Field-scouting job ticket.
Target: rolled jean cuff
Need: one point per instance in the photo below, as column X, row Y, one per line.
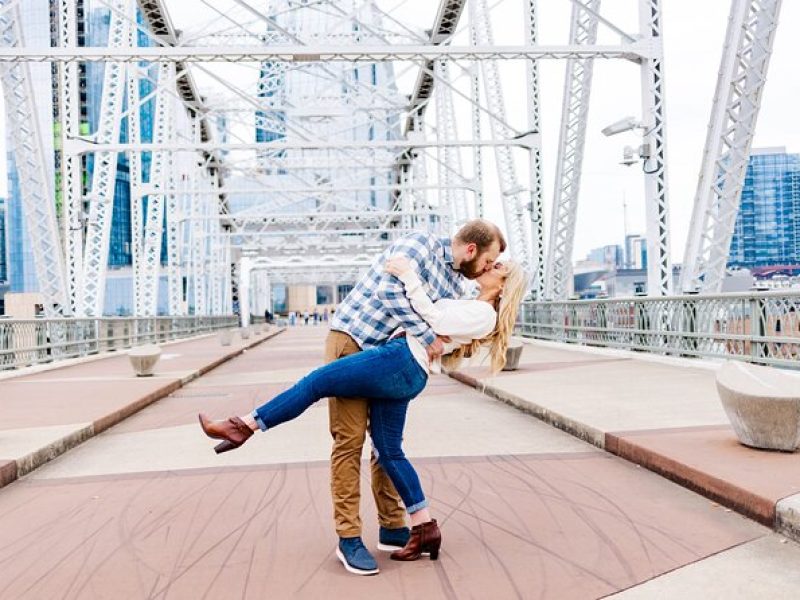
column 261, row 425
column 417, row 507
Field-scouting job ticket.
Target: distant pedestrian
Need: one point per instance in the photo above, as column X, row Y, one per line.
column 316, row 316
column 305, row 317
column 292, row 318
column 325, row 314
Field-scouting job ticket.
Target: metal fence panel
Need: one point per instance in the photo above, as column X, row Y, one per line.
column 25, row 342
column 759, row 327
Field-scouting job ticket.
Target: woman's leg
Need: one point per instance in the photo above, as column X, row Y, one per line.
column 387, row 421
column 375, row 373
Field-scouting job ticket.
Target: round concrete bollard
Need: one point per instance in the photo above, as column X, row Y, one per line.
column 226, row 337
column 762, row 404
column 513, row 354
column 144, row 358
column 245, row 333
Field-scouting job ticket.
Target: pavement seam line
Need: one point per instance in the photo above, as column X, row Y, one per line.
column 41, row 456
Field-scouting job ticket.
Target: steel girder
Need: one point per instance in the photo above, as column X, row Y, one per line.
column 27, row 148
column 514, row 207
column 535, row 158
column 160, row 168
column 101, row 198
column 659, row 263
column 70, row 164
column 740, row 83
column 569, row 163
column 634, row 51
column 450, row 166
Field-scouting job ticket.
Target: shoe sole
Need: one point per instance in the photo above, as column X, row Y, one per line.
column 388, row 548
column 351, row 568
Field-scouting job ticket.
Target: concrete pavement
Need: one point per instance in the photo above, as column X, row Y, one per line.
column 661, row 413
column 46, row 411
column 147, row 510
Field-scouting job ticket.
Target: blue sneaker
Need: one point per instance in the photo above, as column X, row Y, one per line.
column 390, row 540
column 355, row 557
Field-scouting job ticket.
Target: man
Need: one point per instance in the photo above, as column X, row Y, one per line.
column 374, row 309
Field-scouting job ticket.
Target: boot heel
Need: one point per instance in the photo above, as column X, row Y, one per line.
column 224, row 447
column 435, row 554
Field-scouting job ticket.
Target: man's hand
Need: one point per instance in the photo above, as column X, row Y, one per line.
column 436, row 349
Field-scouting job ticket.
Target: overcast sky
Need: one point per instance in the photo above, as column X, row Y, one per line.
column 693, row 37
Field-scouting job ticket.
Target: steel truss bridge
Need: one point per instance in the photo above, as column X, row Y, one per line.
column 323, row 161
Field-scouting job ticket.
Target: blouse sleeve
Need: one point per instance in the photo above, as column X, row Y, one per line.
column 464, row 318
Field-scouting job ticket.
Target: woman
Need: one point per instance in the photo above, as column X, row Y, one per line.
column 392, row 375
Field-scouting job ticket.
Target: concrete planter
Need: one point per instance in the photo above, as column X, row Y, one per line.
column 226, row 337
column 245, row 333
column 513, row 354
column 144, row 358
column 762, row 404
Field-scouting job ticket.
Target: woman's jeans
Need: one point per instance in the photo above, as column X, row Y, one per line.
column 390, row 377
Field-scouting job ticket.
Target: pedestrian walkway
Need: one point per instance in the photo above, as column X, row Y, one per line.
column 661, row 413
column 48, row 409
column 147, row 510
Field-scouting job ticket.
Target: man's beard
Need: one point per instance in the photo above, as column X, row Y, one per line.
column 469, row 268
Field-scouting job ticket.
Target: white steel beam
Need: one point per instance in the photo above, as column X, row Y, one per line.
column 514, row 206
column 534, row 156
column 27, row 147
column 569, row 162
column 737, row 100
column 101, row 197
column 528, row 141
column 659, row 264
column 634, row 51
column 70, row 164
column 154, row 220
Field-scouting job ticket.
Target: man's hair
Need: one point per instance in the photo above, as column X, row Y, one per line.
column 481, row 233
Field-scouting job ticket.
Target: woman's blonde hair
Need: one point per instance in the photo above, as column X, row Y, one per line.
column 514, row 288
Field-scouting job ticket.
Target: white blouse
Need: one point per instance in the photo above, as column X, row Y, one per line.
column 461, row 320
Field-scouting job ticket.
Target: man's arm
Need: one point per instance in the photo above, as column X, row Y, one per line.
column 391, row 293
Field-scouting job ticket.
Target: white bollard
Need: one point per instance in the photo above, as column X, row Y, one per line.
column 226, row 337
column 144, row 358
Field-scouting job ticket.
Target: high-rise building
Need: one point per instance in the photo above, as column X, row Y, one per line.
column 767, row 230
column 610, row 255
column 3, row 250
column 635, row 252
column 35, row 22
column 38, row 19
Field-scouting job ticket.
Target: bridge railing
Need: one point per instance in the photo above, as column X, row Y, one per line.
column 759, row 327
column 26, row 342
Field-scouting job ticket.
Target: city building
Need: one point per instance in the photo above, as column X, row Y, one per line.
column 3, row 256
column 611, row 255
column 36, row 30
column 3, row 250
column 635, row 252
column 767, row 230
column 93, row 21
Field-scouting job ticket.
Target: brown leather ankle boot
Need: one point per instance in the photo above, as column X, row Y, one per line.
column 234, row 432
column 424, row 538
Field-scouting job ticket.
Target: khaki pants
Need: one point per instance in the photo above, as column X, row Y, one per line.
column 348, row 426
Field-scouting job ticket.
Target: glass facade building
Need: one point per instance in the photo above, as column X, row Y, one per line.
column 38, row 18
column 3, row 251
column 767, row 231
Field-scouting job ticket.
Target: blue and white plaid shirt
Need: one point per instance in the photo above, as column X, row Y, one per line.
column 377, row 306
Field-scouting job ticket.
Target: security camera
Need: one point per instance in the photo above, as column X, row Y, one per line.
column 621, row 126
column 629, row 156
